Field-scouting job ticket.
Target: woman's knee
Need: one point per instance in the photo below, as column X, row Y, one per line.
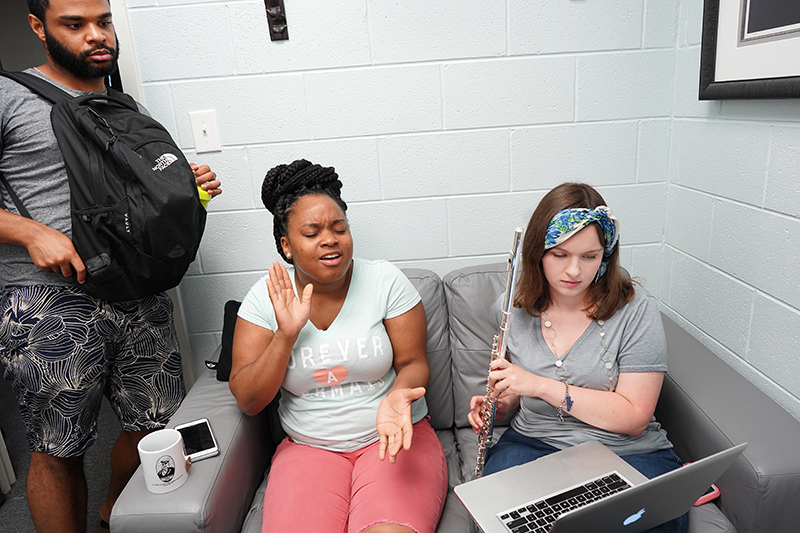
column 388, row 528
column 302, row 474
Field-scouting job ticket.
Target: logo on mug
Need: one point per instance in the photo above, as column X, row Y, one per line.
column 165, row 468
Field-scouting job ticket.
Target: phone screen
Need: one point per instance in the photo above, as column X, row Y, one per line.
column 197, row 437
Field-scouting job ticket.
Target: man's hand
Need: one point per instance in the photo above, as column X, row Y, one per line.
column 51, row 250
column 206, row 179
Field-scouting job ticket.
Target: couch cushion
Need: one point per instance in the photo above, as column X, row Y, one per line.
column 709, row 519
column 470, row 294
column 439, row 395
column 468, row 446
column 455, row 518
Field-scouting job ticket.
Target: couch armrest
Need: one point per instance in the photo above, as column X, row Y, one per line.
column 706, row 406
column 219, row 490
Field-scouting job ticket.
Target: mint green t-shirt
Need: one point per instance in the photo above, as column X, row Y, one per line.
column 336, row 378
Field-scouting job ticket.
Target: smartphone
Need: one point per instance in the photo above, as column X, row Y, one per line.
column 198, row 439
column 710, row 494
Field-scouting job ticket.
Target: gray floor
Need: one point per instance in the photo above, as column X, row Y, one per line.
column 14, row 514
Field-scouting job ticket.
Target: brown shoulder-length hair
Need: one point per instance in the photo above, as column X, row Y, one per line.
column 606, row 295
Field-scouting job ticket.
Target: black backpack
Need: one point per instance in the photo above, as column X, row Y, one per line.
column 137, row 219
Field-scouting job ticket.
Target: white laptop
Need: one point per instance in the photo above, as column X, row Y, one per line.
column 587, row 488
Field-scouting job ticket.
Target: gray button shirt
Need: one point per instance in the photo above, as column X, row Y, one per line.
column 635, row 342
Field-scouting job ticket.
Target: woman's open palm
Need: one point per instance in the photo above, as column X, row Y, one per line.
column 291, row 313
column 394, row 421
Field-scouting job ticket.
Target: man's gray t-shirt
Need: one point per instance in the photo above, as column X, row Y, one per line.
column 634, row 338
column 31, row 161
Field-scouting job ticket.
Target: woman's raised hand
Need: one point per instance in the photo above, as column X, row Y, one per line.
column 291, row 313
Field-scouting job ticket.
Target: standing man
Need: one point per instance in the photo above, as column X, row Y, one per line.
column 61, row 348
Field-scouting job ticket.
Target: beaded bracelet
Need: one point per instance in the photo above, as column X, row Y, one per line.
column 566, row 403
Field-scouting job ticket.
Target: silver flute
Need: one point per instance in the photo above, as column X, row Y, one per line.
column 499, row 345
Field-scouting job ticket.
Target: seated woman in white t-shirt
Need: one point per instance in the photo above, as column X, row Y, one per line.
column 349, row 357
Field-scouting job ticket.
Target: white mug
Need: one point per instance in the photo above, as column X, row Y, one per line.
column 164, row 461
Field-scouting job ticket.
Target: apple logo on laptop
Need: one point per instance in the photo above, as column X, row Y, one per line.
column 633, row 518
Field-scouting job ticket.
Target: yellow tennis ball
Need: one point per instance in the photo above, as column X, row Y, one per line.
column 204, row 196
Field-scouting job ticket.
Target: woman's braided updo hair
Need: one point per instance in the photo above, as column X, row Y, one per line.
column 285, row 184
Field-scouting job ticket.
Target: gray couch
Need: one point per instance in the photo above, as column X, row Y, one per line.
column 705, row 407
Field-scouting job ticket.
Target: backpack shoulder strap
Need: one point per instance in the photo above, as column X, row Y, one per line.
column 53, row 94
column 14, row 198
column 123, row 96
column 43, row 88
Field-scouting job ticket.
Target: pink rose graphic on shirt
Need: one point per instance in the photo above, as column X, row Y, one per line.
column 330, row 377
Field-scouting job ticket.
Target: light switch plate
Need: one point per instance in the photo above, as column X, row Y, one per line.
column 205, row 131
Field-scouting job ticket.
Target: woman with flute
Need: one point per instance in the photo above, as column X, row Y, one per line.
column 586, row 347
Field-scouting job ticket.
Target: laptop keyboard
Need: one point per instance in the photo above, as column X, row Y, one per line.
column 538, row 516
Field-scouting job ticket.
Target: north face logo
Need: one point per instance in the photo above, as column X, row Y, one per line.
column 164, row 161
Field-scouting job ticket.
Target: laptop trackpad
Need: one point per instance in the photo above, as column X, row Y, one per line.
column 546, row 478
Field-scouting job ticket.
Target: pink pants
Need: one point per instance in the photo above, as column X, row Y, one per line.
column 311, row 489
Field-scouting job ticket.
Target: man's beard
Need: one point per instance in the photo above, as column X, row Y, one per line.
column 79, row 64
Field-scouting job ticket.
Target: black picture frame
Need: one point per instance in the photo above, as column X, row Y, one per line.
column 744, row 88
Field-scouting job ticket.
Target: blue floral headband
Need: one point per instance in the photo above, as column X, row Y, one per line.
column 568, row 222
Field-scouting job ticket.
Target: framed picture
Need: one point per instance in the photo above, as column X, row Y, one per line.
column 750, row 49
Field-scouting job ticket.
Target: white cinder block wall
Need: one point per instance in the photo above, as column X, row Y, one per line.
column 732, row 236
column 447, row 122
